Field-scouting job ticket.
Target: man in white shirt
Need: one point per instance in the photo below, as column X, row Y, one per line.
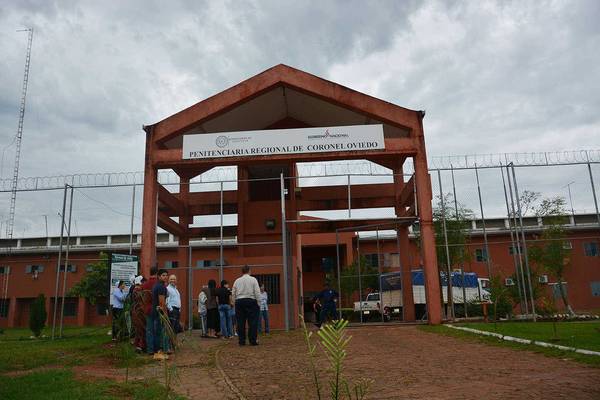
column 174, row 304
column 246, row 294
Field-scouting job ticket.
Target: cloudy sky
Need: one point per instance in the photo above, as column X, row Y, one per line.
column 492, row 76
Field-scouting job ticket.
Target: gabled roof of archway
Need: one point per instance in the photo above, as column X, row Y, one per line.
column 279, row 95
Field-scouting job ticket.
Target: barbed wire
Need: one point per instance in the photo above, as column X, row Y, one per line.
column 311, row 170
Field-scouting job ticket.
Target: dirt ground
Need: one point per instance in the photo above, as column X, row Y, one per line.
column 406, row 362
column 403, row 361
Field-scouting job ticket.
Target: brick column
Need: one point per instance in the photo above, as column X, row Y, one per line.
column 430, row 268
column 185, row 219
column 408, row 302
column 149, row 212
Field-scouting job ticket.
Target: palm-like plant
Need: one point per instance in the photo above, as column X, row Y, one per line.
column 334, row 340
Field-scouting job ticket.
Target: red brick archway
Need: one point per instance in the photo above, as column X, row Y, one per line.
column 281, row 98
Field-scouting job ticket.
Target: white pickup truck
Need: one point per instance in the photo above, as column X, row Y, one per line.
column 390, row 300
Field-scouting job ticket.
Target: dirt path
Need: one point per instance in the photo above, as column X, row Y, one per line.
column 195, row 372
column 406, row 362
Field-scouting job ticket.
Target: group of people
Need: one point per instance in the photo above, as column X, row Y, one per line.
column 153, row 307
column 147, row 311
column 221, row 310
column 150, row 311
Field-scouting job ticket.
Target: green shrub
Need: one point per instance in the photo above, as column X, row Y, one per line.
column 37, row 315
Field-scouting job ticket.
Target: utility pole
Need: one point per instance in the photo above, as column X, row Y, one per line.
column 13, row 196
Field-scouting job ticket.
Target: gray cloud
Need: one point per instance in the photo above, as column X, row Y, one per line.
column 493, row 77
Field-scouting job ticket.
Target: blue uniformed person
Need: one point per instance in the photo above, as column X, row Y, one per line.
column 327, row 297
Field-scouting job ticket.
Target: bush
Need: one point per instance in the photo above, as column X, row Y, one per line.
column 37, row 315
column 504, row 309
column 474, row 308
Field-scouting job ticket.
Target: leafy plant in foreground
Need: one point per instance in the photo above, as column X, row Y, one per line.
column 333, row 341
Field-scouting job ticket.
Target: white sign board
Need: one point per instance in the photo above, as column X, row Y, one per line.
column 283, row 141
column 122, row 268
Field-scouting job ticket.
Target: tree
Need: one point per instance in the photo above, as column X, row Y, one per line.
column 37, row 315
column 349, row 275
column 457, row 219
column 95, row 283
column 527, row 201
column 551, row 254
column 500, row 297
column 515, row 293
column 458, row 225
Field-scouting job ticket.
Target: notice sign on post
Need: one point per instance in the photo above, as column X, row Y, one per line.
column 123, row 267
column 283, row 141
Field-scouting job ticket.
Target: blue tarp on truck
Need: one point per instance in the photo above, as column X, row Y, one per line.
column 393, row 281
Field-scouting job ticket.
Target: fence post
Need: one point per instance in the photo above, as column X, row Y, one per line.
column 524, row 244
column 449, row 288
column 62, row 230
column 286, row 305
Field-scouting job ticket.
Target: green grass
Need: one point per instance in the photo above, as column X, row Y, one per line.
column 444, row 330
column 582, row 335
column 77, row 347
column 61, row 385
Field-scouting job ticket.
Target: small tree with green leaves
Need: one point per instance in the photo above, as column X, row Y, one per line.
column 37, row 315
column 515, row 292
column 334, row 341
column 95, row 283
column 551, row 254
column 349, row 277
column 457, row 218
column 500, row 298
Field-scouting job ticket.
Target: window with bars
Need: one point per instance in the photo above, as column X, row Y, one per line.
column 372, row 260
column 209, row 263
column 32, row 269
column 481, row 255
column 590, row 249
column 4, row 270
column 71, row 306
column 515, row 250
column 70, row 268
column 391, row 260
column 4, row 305
column 271, row 282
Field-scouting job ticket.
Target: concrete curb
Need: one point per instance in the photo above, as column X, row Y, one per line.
column 525, row 341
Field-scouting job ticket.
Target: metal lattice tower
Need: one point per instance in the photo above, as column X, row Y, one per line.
column 13, row 196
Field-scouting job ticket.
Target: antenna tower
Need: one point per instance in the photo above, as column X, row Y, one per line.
column 13, row 196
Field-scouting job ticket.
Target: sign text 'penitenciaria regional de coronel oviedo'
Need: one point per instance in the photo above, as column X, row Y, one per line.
column 283, row 141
